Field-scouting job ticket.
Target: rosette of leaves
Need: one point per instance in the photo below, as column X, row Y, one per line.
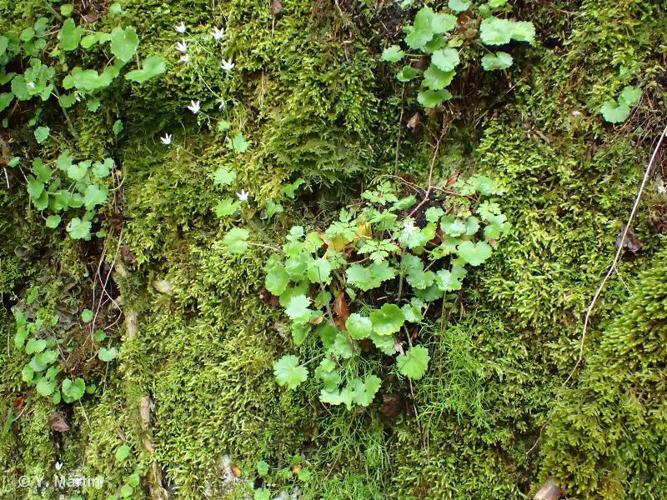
column 70, row 188
column 367, row 280
column 442, row 36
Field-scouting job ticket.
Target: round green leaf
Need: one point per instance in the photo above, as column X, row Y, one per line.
column 35, row 345
column 95, row 195
column 497, row 61
column 392, row 54
column 474, row 253
column 122, row 452
column 433, row 98
column 446, row 59
column 459, row 5
column 86, row 315
column 42, row 134
column 45, row 386
column 446, row 281
column 630, row 96
column 387, row 320
column 414, row 363
column 615, row 113
column 69, row 35
column 436, row 79
column 151, row 67
column 124, row 43
column 359, row 327
column 407, row 73
column 276, row 280
column 288, row 372
column 107, row 355
column 262, row 468
column 73, row 391
column 319, row 271
column 6, row 99
column 495, row 31
column 223, row 176
column 236, row 240
column 297, row 309
column 53, row 221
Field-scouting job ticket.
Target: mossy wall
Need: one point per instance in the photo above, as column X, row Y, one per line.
column 492, row 418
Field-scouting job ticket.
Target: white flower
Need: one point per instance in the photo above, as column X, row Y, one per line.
column 30, row 85
column 218, row 33
column 227, row 65
column 58, row 465
column 182, row 46
column 194, row 106
column 185, row 58
column 166, row 139
column 243, row 195
column 180, row 28
column 661, row 186
column 409, row 226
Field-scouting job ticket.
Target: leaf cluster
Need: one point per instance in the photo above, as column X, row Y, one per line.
column 41, row 80
column 42, row 371
column 66, row 186
column 372, row 275
column 442, row 36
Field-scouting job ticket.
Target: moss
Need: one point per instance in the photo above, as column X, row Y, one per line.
column 205, row 356
column 606, row 435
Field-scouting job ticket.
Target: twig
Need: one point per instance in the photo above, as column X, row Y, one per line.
column 617, row 257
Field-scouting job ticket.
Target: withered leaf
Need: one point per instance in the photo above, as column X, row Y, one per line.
column 631, row 242
column 341, row 310
column 58, row 423
column 127, row 254
column 414, row 122
column 452, row 179
column 268, row 298
column 19, row 403
column 393, row 406
column 317, row 320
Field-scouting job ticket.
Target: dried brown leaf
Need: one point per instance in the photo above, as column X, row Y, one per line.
column 415, row 122
column 341, row 310
column 58, row 423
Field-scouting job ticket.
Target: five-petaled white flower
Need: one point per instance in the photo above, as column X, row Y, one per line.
column 185, row 58
column 194, row 106
column 409, row 226
column 180, row 28
column 182, row 46
column 218, row 33
column 166, row 139
column 227, row 65
column 243, row 195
